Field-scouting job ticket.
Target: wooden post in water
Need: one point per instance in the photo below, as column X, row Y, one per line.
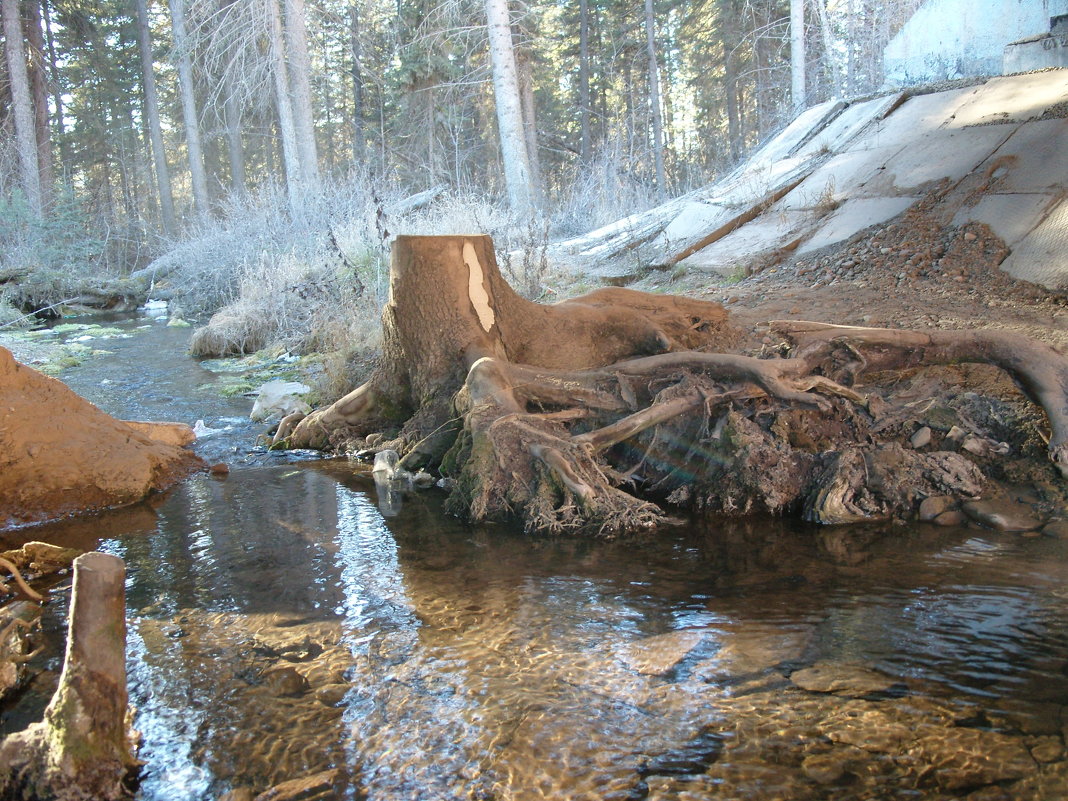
column 82, row 747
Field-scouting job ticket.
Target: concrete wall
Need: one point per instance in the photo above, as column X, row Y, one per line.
column 947, row 39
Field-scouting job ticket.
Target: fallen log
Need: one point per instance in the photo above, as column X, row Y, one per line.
column 83, row 747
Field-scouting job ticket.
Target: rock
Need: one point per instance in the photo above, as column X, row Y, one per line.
column 952, row 518
column 278, row 398
column 826, row 768
column 1002, row 515
column 285, row 680
column 655, row 656
column 178, row 434
column 842, row 679
column 220, row 469
column 308, row 788
column 754, row 652
column 921, row 438
column 983, row 446
column 932, row 507
column 331, row 694
column 957, row 758
column 1047, row 749
column 868, row 728
column 238, row 794
column 423, row 480
column 1056, row 528
column 954, row 437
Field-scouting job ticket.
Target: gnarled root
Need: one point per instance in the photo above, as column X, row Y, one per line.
column 1038, row 369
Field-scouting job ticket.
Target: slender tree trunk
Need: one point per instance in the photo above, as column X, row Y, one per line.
column 296, row 38
column 797, row 54
column 359, row 142
column 525, row 71
column 517, row 175
column 57, row 83
column 21, row 105
column 194, row 148
column 286, row 126
column 235, row 147
column 155, row 129
column 830, row 61
column 585, row 143
column 654, row 101
column 39, row 89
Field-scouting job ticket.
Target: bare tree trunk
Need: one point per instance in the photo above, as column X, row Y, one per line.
column 517, row 174
column 57, row 84
column 21, row 105
column 296, row 38
column 830, row 60
column 797, row 54
column 234, row 145
column 654, row 101
column 359, row 142
column 585, row 143
column 286, row 126
column 195, row 151
column 39, row 88
column 82, row 747
column 525, row 71
column 155, row 130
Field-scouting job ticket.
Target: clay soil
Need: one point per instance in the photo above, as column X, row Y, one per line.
column 60, row 455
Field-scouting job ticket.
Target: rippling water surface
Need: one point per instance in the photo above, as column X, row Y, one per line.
column 281, row 627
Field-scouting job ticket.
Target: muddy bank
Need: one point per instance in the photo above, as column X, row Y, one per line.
column 60, row 455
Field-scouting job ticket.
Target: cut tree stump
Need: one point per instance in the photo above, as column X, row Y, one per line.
column 82, row 749
column 596, row 413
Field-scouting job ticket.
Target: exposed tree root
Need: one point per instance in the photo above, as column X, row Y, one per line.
column 593, row 414
column 1038, row 369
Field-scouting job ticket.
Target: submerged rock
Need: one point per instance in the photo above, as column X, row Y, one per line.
column 960, row 758
column 657, row 655
column 842, row 679
column 1002, row 515
column 307, row 788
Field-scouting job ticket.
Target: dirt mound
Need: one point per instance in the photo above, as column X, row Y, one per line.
column 59, row 454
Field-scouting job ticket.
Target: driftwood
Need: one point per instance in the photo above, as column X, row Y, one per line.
column 82, row 748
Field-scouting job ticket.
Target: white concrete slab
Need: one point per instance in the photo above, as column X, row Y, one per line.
column 940, row 154
column 838, row 178
column 739, row 247
column 1012, row 217
column 847, row 125
column 1013, row 98
column 696, row 219
column 798, row 131
column 853, row 216
column 1042, row 257
column 1035, row 158
column 915, row 117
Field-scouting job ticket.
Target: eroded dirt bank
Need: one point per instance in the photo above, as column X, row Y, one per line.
column 59, row 454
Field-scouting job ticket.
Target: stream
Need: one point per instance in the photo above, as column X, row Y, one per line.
column 280, row 626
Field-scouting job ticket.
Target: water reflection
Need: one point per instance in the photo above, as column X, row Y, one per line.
column 282, row 626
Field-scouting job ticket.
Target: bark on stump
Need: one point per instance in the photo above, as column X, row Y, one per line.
column 82, row 748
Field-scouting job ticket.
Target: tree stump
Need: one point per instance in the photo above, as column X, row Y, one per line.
column 595, row 413
column 82, row 748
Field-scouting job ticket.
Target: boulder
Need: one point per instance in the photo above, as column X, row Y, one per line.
column 1002, row 515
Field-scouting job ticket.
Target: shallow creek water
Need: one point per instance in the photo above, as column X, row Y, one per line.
column 281, row 626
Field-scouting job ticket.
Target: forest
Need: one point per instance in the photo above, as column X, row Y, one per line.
column 250, row 140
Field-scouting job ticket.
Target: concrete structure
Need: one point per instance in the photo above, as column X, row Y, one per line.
column 998, row 147
column 1048, row 49
column 949, row 39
